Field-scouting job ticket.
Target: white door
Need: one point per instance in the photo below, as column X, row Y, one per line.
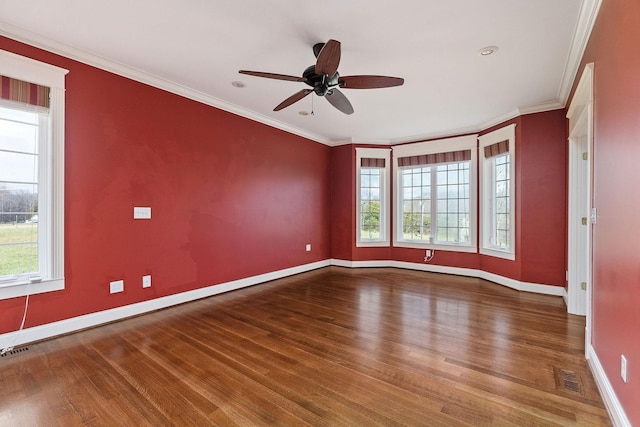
column 581, row 216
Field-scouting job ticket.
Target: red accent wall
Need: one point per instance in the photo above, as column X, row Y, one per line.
column 230, row 198
column 613, row 48
column 540, row 208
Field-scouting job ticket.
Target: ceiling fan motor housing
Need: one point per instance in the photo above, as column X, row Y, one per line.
column 320, row 83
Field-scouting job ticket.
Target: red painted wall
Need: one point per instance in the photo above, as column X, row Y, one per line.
column 542, row 199
column 613, row 48
column 230, row 198
column 540, row 208
column 343, row 190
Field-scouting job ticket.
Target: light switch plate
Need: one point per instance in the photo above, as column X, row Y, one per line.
column 146, row 281
column 141, row 212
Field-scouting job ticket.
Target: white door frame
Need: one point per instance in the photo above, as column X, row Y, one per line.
column 580, row 115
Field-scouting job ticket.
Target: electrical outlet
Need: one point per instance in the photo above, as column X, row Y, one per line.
column 623, row 368
column 146, row 281
column 117, row 286
column 308, row 248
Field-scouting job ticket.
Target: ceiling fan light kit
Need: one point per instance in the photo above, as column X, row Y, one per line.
column 324, row 79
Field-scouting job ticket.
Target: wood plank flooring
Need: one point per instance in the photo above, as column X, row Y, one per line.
column 331, row 347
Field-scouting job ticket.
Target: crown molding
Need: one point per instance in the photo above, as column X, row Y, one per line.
column 586, row 20
column 587, row 16
column 132, row 73
column 436, row 135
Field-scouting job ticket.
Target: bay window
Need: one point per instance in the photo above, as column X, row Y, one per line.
column 435, row 197
column 372, row 189
column 497, row 193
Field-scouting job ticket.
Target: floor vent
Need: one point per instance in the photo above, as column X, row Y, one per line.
column 14, row 351
column 567, row 380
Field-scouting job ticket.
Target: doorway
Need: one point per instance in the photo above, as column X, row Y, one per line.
column 581, row 216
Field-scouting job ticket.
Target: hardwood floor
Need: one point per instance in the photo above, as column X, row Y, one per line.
column 333, row 346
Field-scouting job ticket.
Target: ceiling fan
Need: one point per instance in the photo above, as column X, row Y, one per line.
column 325, row 80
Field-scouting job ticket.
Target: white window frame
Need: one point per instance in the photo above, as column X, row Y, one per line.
column 385, row 196
column 487, row 173
column 468, row 142
column 51, row 157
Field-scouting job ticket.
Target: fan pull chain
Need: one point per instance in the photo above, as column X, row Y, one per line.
column 312, row 104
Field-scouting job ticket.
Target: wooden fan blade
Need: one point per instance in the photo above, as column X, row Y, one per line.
column 292, row 99
column 272, row 76
column 369, row 82
column 338, row 100
column 328, row 58
column 317, row 48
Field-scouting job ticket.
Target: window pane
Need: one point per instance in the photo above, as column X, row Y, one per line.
column 370, row 193
column 452, row 177
column 416, row 179
column 426, row 193
column 406, row 178
column 18, row 192
column 416, row 193
column 375, row 194
column 502, row 205
column 501, row 189
column 18, row 167
column 452, row 191
column 465, row 176
column 501, row 216
column 451, row 199
column 375, row 178
column 453, row 203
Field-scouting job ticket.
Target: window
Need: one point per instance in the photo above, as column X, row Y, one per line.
column 436, row 196
column 497, row 192
column 372, row 189
column 31, row 176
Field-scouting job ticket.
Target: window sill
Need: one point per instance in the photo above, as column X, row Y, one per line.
column 373, row 244
column 20, row 289
column 434, row 246
column 497, row 253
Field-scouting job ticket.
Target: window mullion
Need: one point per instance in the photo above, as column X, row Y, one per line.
column 434, row 204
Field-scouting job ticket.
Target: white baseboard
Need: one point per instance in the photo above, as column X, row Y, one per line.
column 73, row 324
column 616, row 412
column 37, row 333
column 469, row 272
column 50, row 330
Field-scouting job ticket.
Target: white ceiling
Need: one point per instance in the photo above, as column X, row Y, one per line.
column 196, row 47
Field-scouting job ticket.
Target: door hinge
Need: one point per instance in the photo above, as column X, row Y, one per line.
column 594, row 215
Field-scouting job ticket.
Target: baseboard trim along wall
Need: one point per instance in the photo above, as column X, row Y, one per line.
column 66, row 326
column 38, row 333
column 616, row 412
column 458, row 271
